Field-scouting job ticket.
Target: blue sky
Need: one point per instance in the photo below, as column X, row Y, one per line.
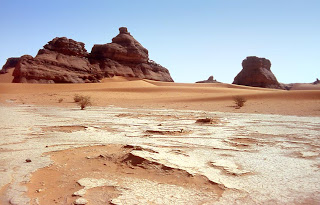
column 193, row 39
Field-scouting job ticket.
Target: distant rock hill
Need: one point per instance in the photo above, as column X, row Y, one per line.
column 210, row 80
column 64, row 60
column 256, row 72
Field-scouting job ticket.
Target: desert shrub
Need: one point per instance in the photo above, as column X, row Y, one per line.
column 60, row 100
column 239, row 101
column 208, row 120
column 84, row 101
column 77, row 98
column 204, row 120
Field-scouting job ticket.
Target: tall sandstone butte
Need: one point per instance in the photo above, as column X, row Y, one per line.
column 256, row 72
column 64, row 60
column 125, row 56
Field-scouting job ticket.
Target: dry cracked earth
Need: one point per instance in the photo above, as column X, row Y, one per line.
column 110, row 155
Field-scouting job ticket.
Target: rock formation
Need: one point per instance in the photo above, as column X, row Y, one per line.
column 11, row 63
column 61, row 61
column 256, row 72
column 125, row 56
column 316, row 82
column 64, row 60
column 210, row 80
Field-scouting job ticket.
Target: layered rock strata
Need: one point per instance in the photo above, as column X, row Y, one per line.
column 125, row 56
column 64, row 60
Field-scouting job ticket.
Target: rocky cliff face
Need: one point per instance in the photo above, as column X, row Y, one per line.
column 64, row 60
column 125, row 56
column 256, row 72
column 61, row 61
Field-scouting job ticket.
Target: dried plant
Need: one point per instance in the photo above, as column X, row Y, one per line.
column 239, row 101
column 77, row 98
column 83, row 101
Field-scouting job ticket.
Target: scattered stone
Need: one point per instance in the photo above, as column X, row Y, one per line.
column 81, row 201
column 81, row 192
column 256, row 72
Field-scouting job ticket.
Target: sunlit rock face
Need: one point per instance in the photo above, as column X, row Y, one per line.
column 125, row 56
column 64, row 60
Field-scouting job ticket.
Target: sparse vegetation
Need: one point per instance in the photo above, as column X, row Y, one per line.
column 239, row 101
column 208, row 120
column 60, row 100
column 77, row 98
column 83, row 101
column 204, row 120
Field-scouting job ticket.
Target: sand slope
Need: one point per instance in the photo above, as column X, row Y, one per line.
column 7, row 78
column 126, row 92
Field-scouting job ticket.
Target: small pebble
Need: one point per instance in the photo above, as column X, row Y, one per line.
column 28, row 160
column 81, row 201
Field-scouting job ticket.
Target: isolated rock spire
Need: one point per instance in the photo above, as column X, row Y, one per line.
column 256, row 72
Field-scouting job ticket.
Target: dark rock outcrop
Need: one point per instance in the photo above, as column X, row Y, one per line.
column 11, row 63
column 125, row 56
column 64, row 60
column 256, row 72
column 210, row 80
column 61, row 61
column 67, row 47
column 316, row 82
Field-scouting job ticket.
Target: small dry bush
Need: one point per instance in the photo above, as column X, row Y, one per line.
column 208, row 121
column 204, row 120
column 77, row 98
column 60, row 100
column 83, row 101
column 239, row 101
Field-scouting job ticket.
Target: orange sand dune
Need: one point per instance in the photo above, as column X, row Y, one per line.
column 128, row 92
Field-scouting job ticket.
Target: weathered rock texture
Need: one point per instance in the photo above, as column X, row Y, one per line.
column 11, row 63
column 64, row 60
column 125, row 56
column 210, row 80
column 256, row 72
column 61, row 61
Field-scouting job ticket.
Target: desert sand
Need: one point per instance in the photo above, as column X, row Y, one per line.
column 139, row 143
column 126, row 92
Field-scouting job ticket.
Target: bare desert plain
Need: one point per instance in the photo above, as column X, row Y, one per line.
column 140, row 143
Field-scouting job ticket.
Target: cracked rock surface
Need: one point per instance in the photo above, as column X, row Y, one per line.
column 241, row 159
